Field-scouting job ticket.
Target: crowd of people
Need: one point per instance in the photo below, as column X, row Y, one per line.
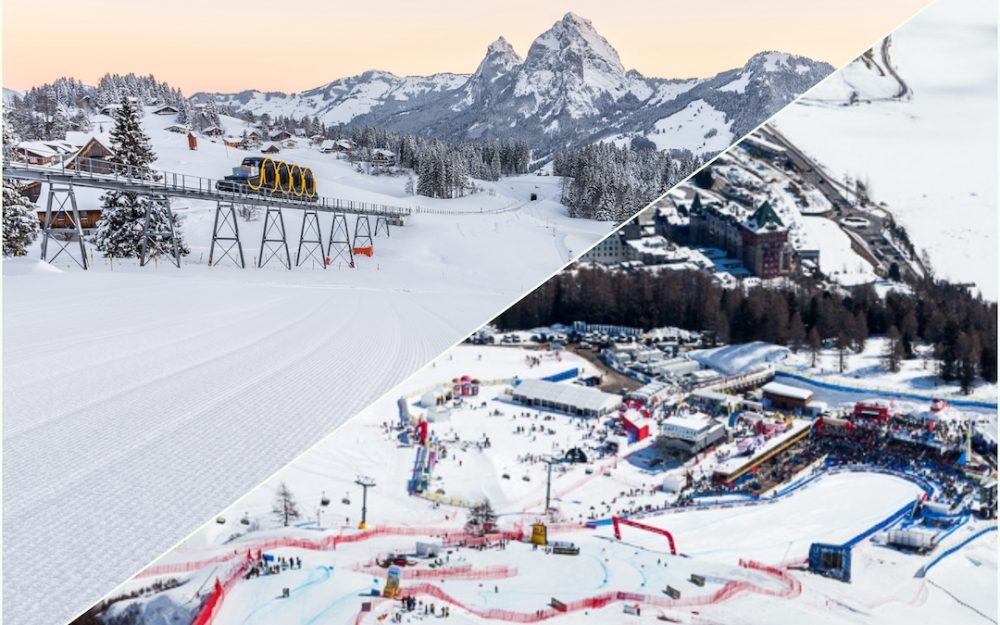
column 262, row 566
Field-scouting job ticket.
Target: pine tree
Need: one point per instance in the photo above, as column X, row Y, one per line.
column 796, row 332
column 482, row 518
column 815, row 345
column 20, row 221
column 285, row 508
column 119, row 230
column 893, row 350
column 843, row 343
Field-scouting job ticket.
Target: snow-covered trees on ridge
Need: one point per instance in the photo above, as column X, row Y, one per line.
column 609, row 183
column 48, row 111
column 443, row 169
column 960, row 326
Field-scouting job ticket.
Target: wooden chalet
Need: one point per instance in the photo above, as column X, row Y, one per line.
column 92, row 157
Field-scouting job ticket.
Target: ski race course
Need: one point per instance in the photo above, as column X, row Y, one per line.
column 736, row 554
column 125, row 384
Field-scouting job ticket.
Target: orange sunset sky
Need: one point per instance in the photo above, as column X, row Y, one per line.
column 227, row 45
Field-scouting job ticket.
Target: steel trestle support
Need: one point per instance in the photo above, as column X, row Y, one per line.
column 339, row 245
column 226, row 235
column 314, row 245
column 273, row 240
column 60, row 195
column 155, row 242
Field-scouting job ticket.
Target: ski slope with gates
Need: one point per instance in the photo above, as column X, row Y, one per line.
column 140, row 401
column 516, row 583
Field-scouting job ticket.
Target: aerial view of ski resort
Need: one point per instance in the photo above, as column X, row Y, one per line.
column 770, row 397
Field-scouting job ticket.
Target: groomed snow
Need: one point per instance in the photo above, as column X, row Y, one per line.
column 140, row 401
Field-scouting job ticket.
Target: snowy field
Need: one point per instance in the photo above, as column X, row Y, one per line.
column 931, row 156
column 696, row 127
column 138, row 402
column 517, row 581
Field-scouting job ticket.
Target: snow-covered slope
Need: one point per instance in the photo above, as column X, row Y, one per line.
column 931, row 155
column 139, row 401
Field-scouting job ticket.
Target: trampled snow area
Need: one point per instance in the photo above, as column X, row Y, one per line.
column 932, row 157
column 140, row 401
column 516, row 582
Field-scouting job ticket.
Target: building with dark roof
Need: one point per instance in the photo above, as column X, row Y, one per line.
column 759, row 238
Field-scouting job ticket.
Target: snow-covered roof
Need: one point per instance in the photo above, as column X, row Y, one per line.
column 47, row 148
column 784, row 390
column 689, row 423
column 582, row 397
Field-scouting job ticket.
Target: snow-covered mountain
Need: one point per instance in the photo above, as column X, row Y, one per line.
column 569, row 90
column 341, row 100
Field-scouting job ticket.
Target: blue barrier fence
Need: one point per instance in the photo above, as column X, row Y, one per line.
column 882, row 393
column 892, row 519
column 569, row 374
column 944, row 554
column 741, row 498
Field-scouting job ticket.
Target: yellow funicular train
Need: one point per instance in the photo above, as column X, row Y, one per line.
column 266, row 176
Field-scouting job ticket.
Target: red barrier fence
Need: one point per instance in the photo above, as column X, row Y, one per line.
column 449, row 536
column 210, row 605
column 790, row 587
column 185, row 567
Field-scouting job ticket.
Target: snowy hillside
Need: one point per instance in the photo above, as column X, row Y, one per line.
column 570, row 89
column 930, row 156
column 177, row 378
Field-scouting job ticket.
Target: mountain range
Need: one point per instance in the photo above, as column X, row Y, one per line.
column 569, row 90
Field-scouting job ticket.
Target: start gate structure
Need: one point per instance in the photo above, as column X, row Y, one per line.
column 62, row 226
column 618, row 521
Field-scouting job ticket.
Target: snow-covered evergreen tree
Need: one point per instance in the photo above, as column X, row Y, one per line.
column 20, row 221
column 119, row 230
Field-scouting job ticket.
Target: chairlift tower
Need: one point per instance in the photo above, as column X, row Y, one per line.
column 365, row 483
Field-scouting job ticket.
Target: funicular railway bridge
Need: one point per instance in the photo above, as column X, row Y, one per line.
column 62, row 225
